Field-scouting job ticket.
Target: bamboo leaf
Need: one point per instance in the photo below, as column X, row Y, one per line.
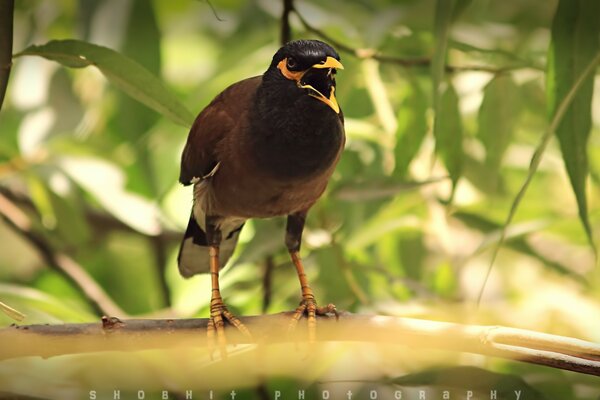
column 412, row 127
column 447, row 127
column 574, row 44
column 536, row 158
column 126, row 74
column 449, row 133
column 497, row 118
column 443, row 20
column 516, row 240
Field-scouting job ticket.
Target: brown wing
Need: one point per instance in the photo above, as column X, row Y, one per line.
column 219, row 119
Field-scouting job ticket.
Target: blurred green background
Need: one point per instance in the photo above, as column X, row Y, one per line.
column 411, row 217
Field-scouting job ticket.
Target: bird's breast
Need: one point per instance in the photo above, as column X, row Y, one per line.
column 302, row 143
column 283, row 168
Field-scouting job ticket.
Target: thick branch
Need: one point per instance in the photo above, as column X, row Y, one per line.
column 136, row 335
column 6, row 39
column 62, row 263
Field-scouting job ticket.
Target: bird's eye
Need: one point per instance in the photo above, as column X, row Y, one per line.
column 291, row 63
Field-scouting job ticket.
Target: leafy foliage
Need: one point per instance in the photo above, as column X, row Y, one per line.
column 446, row 105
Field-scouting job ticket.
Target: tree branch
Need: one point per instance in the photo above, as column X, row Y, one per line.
column 404, row 62
column 19, row 222
column 6, row 39
column 286, row 30
column 141, row 334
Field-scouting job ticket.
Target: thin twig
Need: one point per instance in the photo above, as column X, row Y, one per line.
column 267, row 286
column 6, row 39
column 286, row 30
column 159, row 247
column 63, row 264
column 363, row 53
column 214, row 11
column 137, row 335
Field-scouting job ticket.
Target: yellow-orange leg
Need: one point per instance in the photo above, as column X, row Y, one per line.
column 218, row 312
column 308, row 304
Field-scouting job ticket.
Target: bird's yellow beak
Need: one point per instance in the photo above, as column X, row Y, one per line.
column 330, row 63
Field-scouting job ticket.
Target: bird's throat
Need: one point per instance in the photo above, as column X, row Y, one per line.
column 296, row 141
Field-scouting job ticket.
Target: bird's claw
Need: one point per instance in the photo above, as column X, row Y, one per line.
column 216, row 328
column 308, row 306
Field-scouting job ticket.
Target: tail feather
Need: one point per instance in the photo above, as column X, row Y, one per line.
column 193, row 255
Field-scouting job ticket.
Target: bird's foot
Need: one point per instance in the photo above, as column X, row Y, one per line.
column 216, row 327
column 308, row 306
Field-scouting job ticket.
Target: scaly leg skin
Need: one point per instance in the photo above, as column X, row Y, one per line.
column 218, row 312
column 308, row 305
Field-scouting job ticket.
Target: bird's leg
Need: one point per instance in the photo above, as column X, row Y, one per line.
column 308, row 305
column 218, row 312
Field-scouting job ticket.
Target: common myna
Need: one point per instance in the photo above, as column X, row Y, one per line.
column 265, row 146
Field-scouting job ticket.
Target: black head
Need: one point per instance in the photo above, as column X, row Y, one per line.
column 312, row 65
column 304, row 54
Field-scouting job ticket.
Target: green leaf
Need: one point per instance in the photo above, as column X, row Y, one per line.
column 443, row 20
column 448, row 133
column 574, row 45
column 126, row 74
column 412, row 127
column 134, row 210
column 497, row 118
column 517, row 241
column 536, row 158
column 361, row 191
column 447, row 126
column 40, row 307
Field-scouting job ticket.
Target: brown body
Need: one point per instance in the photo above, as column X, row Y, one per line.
column 239, row 187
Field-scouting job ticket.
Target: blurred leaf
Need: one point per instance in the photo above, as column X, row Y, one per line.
column 126, row 74
column 449, row 133
column 390, row 218
column 535, row 162
column 517, row 241
column 368, row 191
column 412, row 127
column 11, row 312
column 575, row 33
column 41, row 307
column 41, row 199
column 442, row 21
column 497, row 118
column 267, row 240
column 105, row 183
column 413, row 252
column 459, row 8
column 447, row 127
column 134, row 121
column 444, row 280
column 474, row 379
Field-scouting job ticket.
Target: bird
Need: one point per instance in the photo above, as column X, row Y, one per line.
column 264, row 147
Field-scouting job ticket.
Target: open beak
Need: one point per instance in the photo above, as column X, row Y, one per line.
column 331, row 64
column 325, row 90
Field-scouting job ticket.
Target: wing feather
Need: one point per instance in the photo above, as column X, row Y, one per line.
column 218, row 120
